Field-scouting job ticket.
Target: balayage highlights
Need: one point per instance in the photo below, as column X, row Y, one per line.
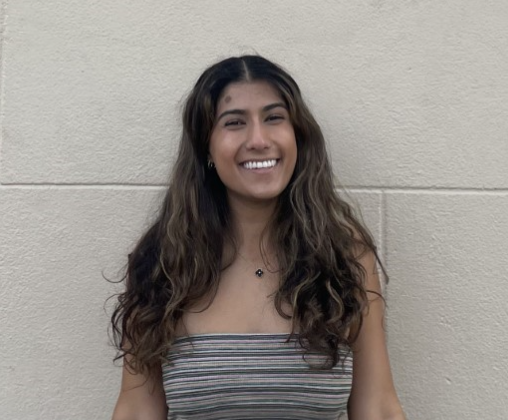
column 317, row 239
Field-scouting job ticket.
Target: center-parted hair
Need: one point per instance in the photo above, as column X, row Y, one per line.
column 178, row 261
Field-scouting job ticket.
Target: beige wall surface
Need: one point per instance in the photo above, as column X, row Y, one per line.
column 412, row 96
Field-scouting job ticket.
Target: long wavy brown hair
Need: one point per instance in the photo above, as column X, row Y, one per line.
column 317, row 238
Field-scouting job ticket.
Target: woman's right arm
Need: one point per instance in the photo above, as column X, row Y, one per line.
column 140, row 398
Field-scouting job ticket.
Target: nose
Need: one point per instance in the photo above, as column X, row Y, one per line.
column 257, row 136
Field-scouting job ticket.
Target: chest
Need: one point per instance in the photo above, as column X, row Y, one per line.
column 244, row 303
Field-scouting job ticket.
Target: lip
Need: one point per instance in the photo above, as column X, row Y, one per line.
column 259, row 160
column 260, row 170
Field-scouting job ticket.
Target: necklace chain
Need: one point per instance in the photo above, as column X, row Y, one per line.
column 259, row 271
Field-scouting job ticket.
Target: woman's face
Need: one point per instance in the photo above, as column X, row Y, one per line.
column 253, row 143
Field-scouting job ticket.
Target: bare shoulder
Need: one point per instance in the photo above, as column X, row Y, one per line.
column 140, row 398
column 373, row 393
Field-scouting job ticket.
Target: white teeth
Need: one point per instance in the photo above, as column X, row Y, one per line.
column 260, row 164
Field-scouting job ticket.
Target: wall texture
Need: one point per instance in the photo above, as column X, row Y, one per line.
column 413, row 98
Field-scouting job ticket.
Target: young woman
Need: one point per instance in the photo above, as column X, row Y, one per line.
column 255, row 293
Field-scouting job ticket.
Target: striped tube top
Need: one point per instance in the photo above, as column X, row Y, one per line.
column 252, row 376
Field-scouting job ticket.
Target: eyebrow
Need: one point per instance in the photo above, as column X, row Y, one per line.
column 244, row 112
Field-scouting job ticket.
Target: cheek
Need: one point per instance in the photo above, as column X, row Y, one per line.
column 212, row 145
column 294, row 156
column 224, row 159
column 221, row 148
column 293, row 147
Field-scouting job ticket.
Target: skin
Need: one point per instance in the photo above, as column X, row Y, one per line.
column 252, row 124
column 373, row 394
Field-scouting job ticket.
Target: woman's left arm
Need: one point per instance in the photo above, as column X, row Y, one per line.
column 373, row 395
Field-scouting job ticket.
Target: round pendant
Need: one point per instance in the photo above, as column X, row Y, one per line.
column 259, row 272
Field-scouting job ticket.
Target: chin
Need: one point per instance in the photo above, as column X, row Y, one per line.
column 256, row 196
column 266, row 196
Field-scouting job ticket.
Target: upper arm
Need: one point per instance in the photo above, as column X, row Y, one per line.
column 140, row 398
column 373, row 394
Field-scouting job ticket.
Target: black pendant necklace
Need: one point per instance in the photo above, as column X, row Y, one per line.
column 259, row 272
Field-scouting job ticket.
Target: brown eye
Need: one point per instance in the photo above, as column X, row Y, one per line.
column 274, row 117
column 233, row 123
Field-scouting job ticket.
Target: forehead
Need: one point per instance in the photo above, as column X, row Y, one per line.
column 247, row 95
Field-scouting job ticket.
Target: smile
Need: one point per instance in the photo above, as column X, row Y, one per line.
column 260, row 164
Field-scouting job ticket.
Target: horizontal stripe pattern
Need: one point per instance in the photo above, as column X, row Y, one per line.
column 252, row 376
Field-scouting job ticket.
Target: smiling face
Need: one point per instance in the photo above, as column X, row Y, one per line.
column 253, row 143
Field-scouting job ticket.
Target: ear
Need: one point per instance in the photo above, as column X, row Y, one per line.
column 210, row 163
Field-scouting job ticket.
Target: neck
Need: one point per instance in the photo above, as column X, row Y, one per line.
column 250, row 221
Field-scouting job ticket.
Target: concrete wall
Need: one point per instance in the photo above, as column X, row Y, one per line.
column 412, row 95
